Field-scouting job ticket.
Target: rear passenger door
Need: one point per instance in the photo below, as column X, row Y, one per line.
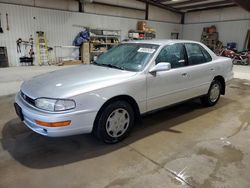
column 200, row 68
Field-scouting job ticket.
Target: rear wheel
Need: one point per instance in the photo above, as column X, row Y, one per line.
column 114, row 122
column 213, row 94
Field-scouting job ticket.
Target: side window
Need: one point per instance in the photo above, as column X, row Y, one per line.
column 173, row 54
column 206, row 55
column 195, row 54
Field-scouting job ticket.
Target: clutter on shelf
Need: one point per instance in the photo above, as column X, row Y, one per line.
column 143, row 32
column 94, row 42
column 210, row 37
column 101, row 40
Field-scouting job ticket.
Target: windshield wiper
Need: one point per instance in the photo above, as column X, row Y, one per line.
column 108, row 65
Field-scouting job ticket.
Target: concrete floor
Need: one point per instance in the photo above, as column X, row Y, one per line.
column 184, row 146
column 242, row 72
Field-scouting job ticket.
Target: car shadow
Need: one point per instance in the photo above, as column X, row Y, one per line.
column 36, row 151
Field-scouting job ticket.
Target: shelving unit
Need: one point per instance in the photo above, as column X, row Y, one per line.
column 210, row 37
column 102, row 40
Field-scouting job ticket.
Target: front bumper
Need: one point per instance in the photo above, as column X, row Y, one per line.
column 81, row 121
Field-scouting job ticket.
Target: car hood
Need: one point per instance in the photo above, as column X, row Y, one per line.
column 73, row 81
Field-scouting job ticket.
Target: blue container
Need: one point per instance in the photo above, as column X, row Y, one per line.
column 232, row 45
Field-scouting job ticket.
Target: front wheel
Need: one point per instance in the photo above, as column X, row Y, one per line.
column 213, row 94
column 114, row 122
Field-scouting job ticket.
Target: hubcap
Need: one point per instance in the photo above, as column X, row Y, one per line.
column 117, row 122
column 215, row 92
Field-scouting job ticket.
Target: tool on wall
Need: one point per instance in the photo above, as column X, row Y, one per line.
column 7, row 22
column 1, row 29
column 25, row 49
column 18, row 43
column 42, row 48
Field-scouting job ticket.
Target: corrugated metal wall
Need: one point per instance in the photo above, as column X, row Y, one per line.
column 232, row 24
column 59, row 26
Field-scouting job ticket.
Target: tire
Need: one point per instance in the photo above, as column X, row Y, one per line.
column 114, row 122
column 213, row 95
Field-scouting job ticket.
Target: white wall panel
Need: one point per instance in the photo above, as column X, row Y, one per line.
column 160, row 14
column 113, row 11
column 234, row 13
column 20, row 2
column 232, row 24
column 70, row 5
column 59, row 26
column 223, row 14
column 125, row 3
column 58, row 4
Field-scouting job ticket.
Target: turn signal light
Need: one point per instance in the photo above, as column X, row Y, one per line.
column 53, row 124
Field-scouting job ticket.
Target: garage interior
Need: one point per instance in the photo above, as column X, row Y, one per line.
column 185, row 145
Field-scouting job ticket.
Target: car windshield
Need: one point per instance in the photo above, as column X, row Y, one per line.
column 130, row 56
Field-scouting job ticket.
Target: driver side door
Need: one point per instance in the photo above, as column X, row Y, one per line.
column 168, row 87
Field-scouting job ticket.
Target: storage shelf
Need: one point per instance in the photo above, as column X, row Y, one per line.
column 105, row 36
column 101, row 40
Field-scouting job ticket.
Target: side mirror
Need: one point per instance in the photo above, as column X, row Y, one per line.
column 163, row 66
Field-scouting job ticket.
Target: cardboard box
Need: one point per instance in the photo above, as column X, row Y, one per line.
column 141, row 25
column 70, row 62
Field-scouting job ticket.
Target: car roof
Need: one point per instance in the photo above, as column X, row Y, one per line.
column 160, row 41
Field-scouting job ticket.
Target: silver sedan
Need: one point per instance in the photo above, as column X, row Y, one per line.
column 131, row 79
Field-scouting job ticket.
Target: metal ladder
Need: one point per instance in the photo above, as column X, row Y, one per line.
column 42, row 49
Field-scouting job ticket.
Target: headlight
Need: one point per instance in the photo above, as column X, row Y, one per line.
column 55, row 105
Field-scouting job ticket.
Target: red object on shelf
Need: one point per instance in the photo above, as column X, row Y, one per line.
column 141, row 36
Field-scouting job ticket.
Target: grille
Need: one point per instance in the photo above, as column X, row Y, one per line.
column 28, row 99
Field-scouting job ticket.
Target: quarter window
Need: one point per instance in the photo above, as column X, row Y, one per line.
column 173, row 54
column 196, row 54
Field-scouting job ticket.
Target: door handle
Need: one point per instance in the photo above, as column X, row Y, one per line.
column 212, row 69
column 181, row 61
column 184, row 74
